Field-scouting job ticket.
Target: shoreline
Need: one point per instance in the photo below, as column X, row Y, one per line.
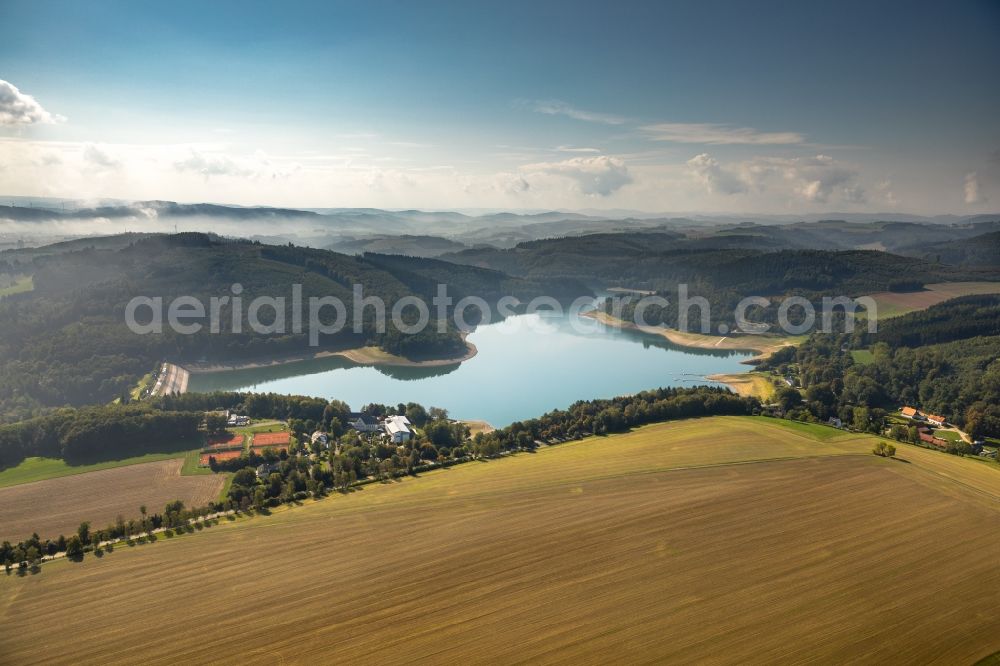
column 364, row 356
column 763, row 345
column 745, row 384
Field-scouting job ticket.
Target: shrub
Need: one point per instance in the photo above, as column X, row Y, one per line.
column 884, row 449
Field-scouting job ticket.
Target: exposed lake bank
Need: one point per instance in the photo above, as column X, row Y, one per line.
column 763, row 345
column 363, row 356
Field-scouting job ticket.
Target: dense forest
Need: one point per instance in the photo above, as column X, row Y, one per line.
column 982, row 250
column 93, row 434
column 958, row 379
column 955, row 319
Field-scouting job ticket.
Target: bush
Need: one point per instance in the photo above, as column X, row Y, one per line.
column 884, row 449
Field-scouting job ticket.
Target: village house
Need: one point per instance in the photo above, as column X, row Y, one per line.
column 321, row 438
column 265, row 470
column 398, row 429
column 934, row 419
column 362, row 422
column 916, row 415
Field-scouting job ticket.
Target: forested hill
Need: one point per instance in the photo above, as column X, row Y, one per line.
column 661, row 261
column 66, row 342
column 983, row 250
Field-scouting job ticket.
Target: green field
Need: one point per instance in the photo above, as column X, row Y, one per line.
column 21, row 285
column 948, row 435
column 142, row 385
column 862, row 356
column 895, row 304
column 678, row 542
column 39, row 469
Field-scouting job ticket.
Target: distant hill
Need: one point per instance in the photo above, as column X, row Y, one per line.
column 414, row 246
column 982, row 250
column 747, row 263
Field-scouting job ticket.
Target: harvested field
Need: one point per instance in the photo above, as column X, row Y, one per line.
column 731, row 540
column 57, row 506
column 892, row 304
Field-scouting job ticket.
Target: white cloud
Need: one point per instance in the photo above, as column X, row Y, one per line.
column 17, row 108
column 211, row 166
column 885, row 189
column 511, row 184
column 972, row 193
column 717, row 134
column 257, row 166
column 554, row 107
column 707, row 171
column 97, row 157
column 813, row 179
column 599, row 176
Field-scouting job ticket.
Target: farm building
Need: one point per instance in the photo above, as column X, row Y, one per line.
column 928, row 438
column 917, row 415
column 398, row 429
column 934, row 419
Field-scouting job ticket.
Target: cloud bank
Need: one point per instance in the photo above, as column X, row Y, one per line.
column 818, row 179
column 600, row 176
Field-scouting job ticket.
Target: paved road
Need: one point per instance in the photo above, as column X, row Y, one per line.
column 173, row 379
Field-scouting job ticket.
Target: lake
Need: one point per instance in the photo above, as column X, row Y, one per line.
column 526, row 365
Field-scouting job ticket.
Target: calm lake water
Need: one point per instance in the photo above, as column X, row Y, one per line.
column 526, row 365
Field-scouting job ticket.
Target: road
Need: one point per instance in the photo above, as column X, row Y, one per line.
column 172, row 379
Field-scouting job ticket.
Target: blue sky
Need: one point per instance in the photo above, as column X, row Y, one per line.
column 674, row 107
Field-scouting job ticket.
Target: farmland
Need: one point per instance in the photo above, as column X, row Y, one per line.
column 894, row 304
column 58, row 505
column 681, row 541
column 39, row 469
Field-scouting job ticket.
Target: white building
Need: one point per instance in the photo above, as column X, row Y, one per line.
column 362, row 422
column 398, row 429
column 319, row 437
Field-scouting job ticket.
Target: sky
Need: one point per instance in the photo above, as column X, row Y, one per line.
column 702, row 107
